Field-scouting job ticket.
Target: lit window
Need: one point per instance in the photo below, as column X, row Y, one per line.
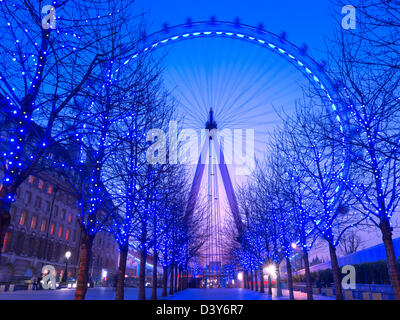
column 52, row 228
column 50, row 190
column 34, row 222
column 31, row 179
column 70, row 217
column 22, row 220
column 6, row 241
column 67, row 234
column 43, row 226
column 60, row 231
column 41, row 184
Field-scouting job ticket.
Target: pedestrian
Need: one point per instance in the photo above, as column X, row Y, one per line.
column 33, row 282
column 115, row 281
column 39, row 282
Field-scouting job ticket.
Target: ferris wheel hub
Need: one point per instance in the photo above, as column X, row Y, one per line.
column 211, row 124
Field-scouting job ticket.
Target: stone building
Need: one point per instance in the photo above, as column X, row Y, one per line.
column 44, row 226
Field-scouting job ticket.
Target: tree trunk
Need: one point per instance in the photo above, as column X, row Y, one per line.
column 165, row 282
column 180, row 278
column 85, row 257
column 255, row 279
column 154, row 285
column 142, row 275
column 176, row 279
column 261, row 280
column 251, row 280
column 123, row 254
column 246, row 280
column 390, row 257
column 336, row 271
column 278, row 282
column 308, row 277
column 269, row 285
column 289, row 278
column 5, row 219
column 171, row 280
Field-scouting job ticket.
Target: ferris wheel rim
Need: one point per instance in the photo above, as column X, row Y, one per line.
column 312, row 70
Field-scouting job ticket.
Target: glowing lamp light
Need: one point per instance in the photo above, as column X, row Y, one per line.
column 271, row 270
column 294, row 245
column 68, row 254
column 240, row 276
column 104, row 273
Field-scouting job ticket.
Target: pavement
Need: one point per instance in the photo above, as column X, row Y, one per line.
column 132, row 294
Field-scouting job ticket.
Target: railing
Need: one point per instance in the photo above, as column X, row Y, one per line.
column 362, row 292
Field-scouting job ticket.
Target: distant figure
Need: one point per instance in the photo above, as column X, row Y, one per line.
column 115, row 282
column 33, row 282
column 38, row 282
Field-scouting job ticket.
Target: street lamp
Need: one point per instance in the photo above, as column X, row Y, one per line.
column 271, row 270
column 67, row 256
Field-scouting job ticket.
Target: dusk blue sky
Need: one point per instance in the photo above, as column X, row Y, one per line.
column 307, row 21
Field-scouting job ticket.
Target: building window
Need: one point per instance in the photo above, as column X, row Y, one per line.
column 32, row 245
column 19, row 193
column 38, row 202
column 55, row 210
column 63, row 213
column 60, row 231
column 50, row 190
column 67, row 234
column 52, row 228
column 31, row 179
column 70, row 218
column 41, row 184
column 19, row 244
column 13, row 211
column 22, row 219
column 28, row 197
column 34, row 222
column 50, row 251
column 6, row 242
column 43, row 225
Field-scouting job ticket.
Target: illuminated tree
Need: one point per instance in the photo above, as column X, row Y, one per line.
column 45, row 65
column 366, row 65
column 323, row 162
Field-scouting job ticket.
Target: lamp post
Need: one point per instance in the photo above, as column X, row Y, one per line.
column 67, row 256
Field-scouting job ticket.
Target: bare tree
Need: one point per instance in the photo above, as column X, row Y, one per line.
column 366, row 67
column 351, row 242
column 45, row 65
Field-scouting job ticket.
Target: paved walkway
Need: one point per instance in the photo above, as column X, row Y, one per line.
column 238, row 294
column 132, row 294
